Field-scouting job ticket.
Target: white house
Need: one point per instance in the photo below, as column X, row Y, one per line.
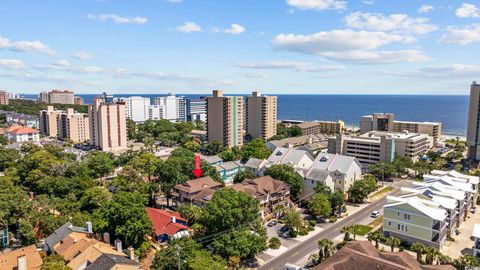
column 298, row 159
column 22, row 134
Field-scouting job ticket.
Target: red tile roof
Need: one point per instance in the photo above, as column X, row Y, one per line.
column 162, row 221
column 22, row 130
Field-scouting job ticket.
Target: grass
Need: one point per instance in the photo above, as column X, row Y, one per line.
column 363, row 229
column 376, row 222
column 381, row 192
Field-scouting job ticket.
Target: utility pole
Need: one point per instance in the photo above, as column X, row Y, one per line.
column 177, row 252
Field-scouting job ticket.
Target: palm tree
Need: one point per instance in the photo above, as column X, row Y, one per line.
column 376, row 236
column 293, row 220
column 418, row 248
column 279, row 210
column 431, row 254
column 347, row 230
column 326, row 249
column 444, row 259
column 393, row 242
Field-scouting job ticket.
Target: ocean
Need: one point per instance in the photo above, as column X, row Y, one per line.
column 450, row 110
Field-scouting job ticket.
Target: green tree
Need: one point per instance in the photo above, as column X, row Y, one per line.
column 294, row 131
column 124, row 216
column 419, row 249
column 348, row 231
column 325, row 249
column 54, row 262
column 376, row 236
column 431, row 255
column 93, row 198
column 192, row 146
column 131, row 129
column 241, row 243
column 190, row 212
column 293, row 220
column 337, row 201
column 288, row 175
column 7, row 157
column 242, row 175
column 358, row 192
column 256, row 149
column 382, row 170
column 466, row 262
column 319, row 205
column 214, row 148
column 274, row 243
column 393, row 242
column 99, row 164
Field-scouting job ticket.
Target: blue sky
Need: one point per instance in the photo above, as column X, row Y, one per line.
column 272, row 46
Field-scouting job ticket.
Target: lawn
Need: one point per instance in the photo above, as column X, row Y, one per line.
column 381, row 192
column 363, row 229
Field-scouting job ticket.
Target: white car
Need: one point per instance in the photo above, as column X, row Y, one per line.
column 289, row 266
column 375, row 214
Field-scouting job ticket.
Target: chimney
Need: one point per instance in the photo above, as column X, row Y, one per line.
column 22, row 263
column 174, row 219
column 106, row 237
column 131, row 253
column 89, row 227
column 118, row 245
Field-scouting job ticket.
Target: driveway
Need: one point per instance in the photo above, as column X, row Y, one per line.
column 463, row 243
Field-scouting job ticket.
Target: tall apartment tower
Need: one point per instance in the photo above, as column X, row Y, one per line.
column 3, row 97
column 49, row 121
column 473, row 131
column 225, row 118
column 108, row 124
column 73, row 126
column 261, row 116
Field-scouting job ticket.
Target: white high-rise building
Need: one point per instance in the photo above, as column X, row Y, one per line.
column 137, row 108
column 173, row 107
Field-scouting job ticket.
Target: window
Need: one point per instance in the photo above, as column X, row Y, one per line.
column 398, row 227
column 406, row 216
column 398, row 213
column 389, row 223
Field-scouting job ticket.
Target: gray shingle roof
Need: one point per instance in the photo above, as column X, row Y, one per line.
column 334, row 162
column 60, row 233
column 253, row 163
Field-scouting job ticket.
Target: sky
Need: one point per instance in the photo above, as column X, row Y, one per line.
column 239, row 46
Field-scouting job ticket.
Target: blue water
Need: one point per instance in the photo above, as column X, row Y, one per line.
column 450, row 110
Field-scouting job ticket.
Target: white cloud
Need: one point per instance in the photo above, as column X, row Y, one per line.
column 189, row 27
column 368, row 2
column 440, row 71
column 235, row 29
column 25, row 46
column 117, row 18
column 62, row 63
column 317, row 4
column 11, row 64
column 82, row 55
column 462, row 36
column 468, row 11
column 401, row 23
column 349, row 46
column 174, row 1
column 292, row 65
column 255, row 74
column 425, row 9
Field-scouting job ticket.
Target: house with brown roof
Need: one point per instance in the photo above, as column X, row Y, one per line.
column 268, row 191
column 197, row 191
column 25, row 258
column 363, row 255
column 167, row 225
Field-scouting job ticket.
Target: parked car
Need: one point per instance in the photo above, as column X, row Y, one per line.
column 290, row 266
column 375, row 214
column 473, row 210
column 272, row 223
column 283, row 229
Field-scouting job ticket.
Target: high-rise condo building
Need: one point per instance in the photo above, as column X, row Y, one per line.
column 196, row 109
column 173, row 107
column 73, row 126
column 322, row 127
column 473, row 131
column 261, row 116
column 49, row 121
column 225, row 119
column 136, row 108
column 61, row 97
column 387, row 122
column 4, row 97
column 108, row 124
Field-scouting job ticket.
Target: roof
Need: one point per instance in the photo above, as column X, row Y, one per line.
column 334, row 162
column 109, row 261
column 92, row 253
column 212, row 159
column 318, row 175
column 288, row 156
column 476, row 231
column 231, row 165
column 9, row 260
column 61, row 232
column 442, row 199
column 196, row 185
column 363, row 255
column 254, row 163
column 261, row 186
column 300, row 140
column 427, row 208
column 162, row 221
column 23, row 130
column 69, row 247
column 308, row 125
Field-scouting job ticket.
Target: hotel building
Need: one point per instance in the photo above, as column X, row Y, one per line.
column 261, row 116
column 4, row 97
column 73, row 126
column 322, row 127
column 225, row 119
column 108, row 127
column 473, row 134
column 49, row 121
column 196, row 109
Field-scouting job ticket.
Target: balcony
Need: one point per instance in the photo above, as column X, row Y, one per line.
column 438, row 225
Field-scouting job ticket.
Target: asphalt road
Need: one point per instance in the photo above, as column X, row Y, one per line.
column 307, row 247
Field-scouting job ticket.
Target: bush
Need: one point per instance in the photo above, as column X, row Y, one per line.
column 312, row 223
column 401, row 249
column 303, row 231
column 332, row 219
column 274, row 243
column 292, row 233
column 451, row 239
column 310, row 228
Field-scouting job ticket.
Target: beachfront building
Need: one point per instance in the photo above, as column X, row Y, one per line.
column 387, row 122
column 261, row 116
column 173, row 107
column 376, row 146
column 415, row 220
column 195, row 110
column 225, row 118
column 108, row 124
column 315, row 141
column 137, row 108
column 338, row 172
column 321, row 127
column 473, row 130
